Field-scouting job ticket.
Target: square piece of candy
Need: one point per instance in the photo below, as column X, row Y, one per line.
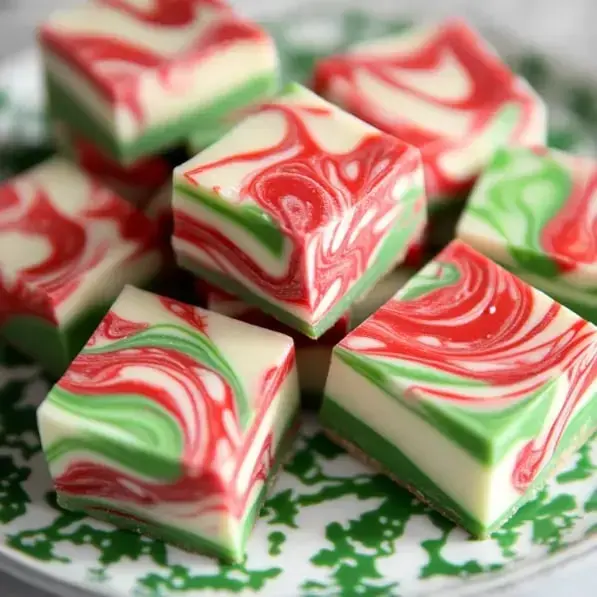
column 137, row 78
column 136, row 183
column 533, row 211
column 478, row 387
column 312, row 356
column 68, row 245
column 442, row 89
column 170, row 423
column 300, row 209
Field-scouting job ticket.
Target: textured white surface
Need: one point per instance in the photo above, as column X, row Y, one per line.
column 562, row 29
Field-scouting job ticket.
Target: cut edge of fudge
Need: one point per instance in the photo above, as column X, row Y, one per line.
column 439, row 501
column 200, row 198
column 89, row 99
column 136, row 182
column 274, row 418
column 69, row 303
column 337, row 418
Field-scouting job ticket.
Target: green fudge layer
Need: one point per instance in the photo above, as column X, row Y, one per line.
column 225, row 550
column 205, row 124
column 53, row 347
column 371, row 446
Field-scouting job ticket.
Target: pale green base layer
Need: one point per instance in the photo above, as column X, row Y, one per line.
column 392, row 461
column 53, row 347
column 62, row 106
column 393, row 245
column 226, row 548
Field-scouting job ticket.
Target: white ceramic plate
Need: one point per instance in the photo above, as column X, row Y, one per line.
column 330, row 525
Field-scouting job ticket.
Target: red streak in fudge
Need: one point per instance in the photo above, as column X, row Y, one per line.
column 491, row 86
column 165, row 13
column 570, row 238
column 149, row 173
column 57, row 275
column 319, row 200
column 28, row 210
column 209, row 424
column 115, row 66
column 487, row 316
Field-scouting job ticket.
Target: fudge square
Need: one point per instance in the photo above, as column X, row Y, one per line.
column 312, row 356
column 170, row 423
column 138, row 77
column 478, row 386
column 68, row 245
column 442, row 89
column 533, row 211
column 299, row 210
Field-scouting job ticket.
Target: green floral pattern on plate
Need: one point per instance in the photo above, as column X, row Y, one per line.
column 330, row 525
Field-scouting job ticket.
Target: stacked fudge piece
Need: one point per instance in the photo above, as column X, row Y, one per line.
column 293, row 211
column 444, row 90
column 129, row 82
column 533, row 211
column 299, row 209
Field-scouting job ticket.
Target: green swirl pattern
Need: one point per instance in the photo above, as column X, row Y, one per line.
column 517, row 196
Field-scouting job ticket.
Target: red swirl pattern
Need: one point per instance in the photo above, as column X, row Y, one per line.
column 114, row 65
column 571, row 236
column 319, row 200
column 493, row 85
column 212, row 436
column 487, row 316
column 28, row 209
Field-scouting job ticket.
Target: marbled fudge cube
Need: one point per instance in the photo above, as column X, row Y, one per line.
column 312, row 356
column 138, row 77
column 68, row 245
column 136, row 183
column 169, row 422
column 442, row 89
column 533, row 211
column 299, row 209
column 478, row 386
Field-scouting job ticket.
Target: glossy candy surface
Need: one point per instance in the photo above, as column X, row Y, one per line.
column 477, row 387
column 299, row 210
column 138, row 77
column 165, row 424
column 68, row 245
column 534, row 210
column 442, row 89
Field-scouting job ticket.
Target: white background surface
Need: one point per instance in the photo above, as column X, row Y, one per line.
column 562, row 28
